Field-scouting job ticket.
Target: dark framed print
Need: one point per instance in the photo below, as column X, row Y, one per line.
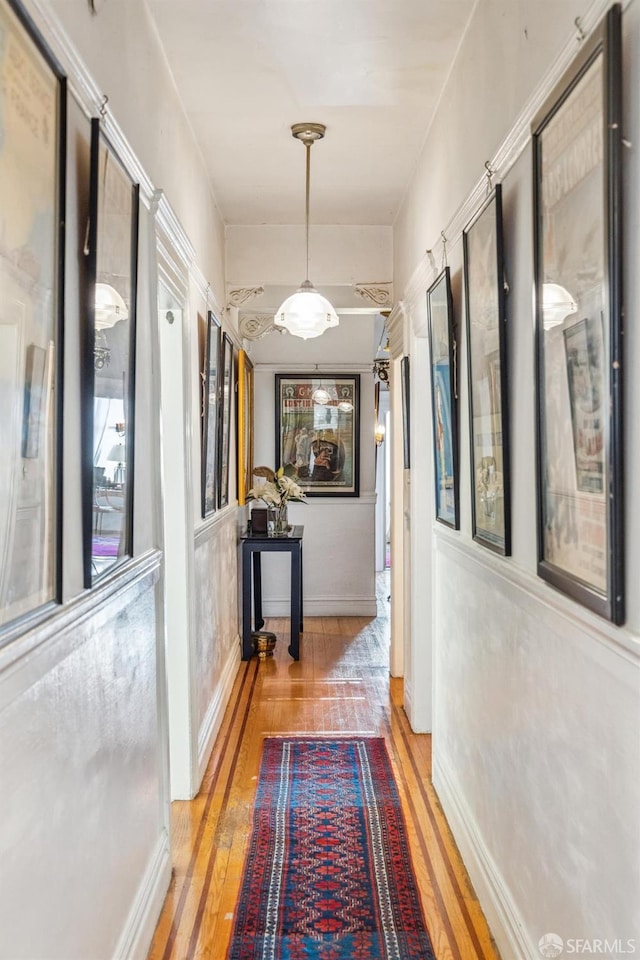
column 32, row 214
column 209, row 415
column 318, row 432
column 245, row 426
column 444, row 404
column 405, row 386
column 108, row 407
column 224, row 436
column 487, row 372
column 578, row 282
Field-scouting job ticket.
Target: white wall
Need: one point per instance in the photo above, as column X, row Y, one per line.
column 83, row 695
column 536, row 749
column 339, row 532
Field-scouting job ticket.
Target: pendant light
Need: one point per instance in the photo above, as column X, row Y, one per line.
column 306, row 313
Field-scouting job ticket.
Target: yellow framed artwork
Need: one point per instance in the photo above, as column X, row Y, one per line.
column 245, row 426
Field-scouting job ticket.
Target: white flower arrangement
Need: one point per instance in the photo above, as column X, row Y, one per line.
column 276, row 489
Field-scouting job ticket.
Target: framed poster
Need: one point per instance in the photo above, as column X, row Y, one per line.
column 245, row 426
column 318, row 432
column 224, row 437
column 108, row 402
column 405, row 386
column 578, row 282
column 32, row 214
column 444, row 404
column 487, row 372
column 209, row 415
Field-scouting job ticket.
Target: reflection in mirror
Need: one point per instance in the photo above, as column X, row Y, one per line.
column 110, row 362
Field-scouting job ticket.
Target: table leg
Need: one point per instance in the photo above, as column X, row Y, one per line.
column 257, row 590
column 296, row 601
column 247, row 649
column 301, row 591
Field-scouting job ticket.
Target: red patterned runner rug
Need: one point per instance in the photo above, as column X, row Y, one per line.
column 328, row 874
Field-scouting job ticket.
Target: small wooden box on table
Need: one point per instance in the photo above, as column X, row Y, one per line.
column 253, row 545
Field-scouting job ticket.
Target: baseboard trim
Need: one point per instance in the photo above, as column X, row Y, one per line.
column 213, row 717
column 137, row 935
column 503, row 917
column 324, row 607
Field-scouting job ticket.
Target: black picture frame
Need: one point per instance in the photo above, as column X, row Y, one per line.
column 577, row 145
column 224, row 435
column 405, row 387
column 483, row 246
column 109, row 362
column 444, row 400
column 33, row 103
column 209, row 414
column 318, row 432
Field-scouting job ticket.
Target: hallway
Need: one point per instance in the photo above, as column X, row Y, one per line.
column 340, row 686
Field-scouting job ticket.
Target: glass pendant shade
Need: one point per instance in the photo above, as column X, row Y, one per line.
column 306, row 313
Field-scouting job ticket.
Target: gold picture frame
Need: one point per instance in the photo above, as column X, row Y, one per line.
column 245, row 426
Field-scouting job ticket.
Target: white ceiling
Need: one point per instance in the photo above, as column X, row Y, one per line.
column 371, row 70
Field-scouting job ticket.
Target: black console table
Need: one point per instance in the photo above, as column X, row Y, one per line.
column 253, row 545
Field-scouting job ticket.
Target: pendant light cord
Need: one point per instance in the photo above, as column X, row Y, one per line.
column 308, row 144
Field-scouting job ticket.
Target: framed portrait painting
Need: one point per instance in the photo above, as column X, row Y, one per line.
column 210, row 414
column 245, row 426
column 487, row 372
column 578, row 283
column 108, row 407
column 318, row 432
column 33, row 109
column 442, row 351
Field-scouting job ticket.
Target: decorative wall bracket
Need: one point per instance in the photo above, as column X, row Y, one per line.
column 255, row 326
column 240, row 295
column 379, row 294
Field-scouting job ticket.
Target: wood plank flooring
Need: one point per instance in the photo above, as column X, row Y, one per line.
column 339, row 686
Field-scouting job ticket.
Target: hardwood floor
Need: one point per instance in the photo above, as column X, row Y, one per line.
column 339, row 686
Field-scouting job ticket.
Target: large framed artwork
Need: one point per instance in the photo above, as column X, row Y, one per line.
column 487, row 372
column 32, row 213
column 444, row 407
column 209, row 415
column 108, row 407
column 318, row 432
column 224, row 438
column 578, row 281
column 245, row 426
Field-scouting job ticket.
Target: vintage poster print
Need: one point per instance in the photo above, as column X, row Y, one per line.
column 318, row 432
column 114, row 242
column 574, row 384
column 584, row 355
column 210, row 416
column 32, row 108
column 226, row 373
column 487, row 376
column 443, row 400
